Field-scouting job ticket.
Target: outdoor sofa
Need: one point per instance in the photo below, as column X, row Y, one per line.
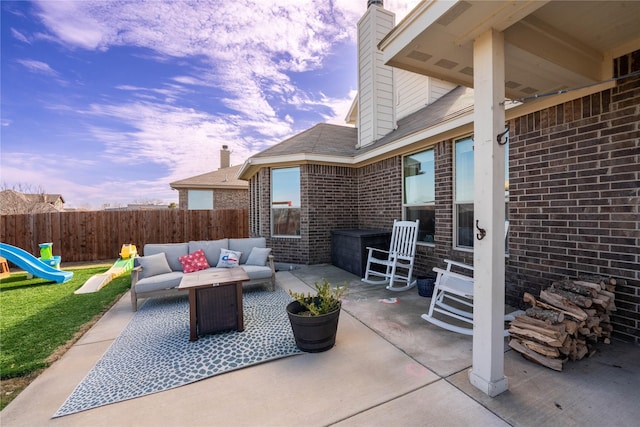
column 162, row 267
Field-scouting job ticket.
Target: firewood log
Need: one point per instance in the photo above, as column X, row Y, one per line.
column 590, row 311
column 601, row 302
column 571, row 326
column 581, row 351
column 594, row 278
column 534, row 302
column 598, row 286
column 584, row 331
column 564, row 304
column 549, row 362
column 560, row 327
column 593, row 322
column 579, row 300
column 611, row 295
column 566, row 346
column 551, row 333
column 606, row 327
column 541, row 348
column 534, row 335
column 575, row 287
column 542, row 314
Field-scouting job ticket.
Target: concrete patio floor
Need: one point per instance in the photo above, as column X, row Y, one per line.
column 388, row 368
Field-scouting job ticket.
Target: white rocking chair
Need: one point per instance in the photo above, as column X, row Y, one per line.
column 397, row 262
column 453, row 298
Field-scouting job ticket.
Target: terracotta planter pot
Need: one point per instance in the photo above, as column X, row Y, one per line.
column 313, row 334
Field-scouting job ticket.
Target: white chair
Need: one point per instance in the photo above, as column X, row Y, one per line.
column 450, row 288
column 396, row 264
column 453, row 297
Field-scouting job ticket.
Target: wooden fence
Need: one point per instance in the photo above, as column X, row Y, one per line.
column 99, row 235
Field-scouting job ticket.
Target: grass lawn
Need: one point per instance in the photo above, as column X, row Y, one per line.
column 39, row 320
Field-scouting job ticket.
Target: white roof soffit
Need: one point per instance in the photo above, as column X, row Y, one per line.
column 550, row 46
column 255, row 163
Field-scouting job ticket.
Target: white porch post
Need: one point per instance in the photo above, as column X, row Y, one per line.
column 487, row 371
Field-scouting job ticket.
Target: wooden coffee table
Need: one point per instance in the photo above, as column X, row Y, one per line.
column 215, row 300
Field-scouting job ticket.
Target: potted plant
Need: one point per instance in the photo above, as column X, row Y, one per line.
column 314, row 318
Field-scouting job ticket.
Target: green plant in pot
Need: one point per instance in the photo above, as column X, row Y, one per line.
column 314, row 318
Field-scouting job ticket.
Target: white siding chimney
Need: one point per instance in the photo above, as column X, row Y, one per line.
column 376, row 116
column 225, row 157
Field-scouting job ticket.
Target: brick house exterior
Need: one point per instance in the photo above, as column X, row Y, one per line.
column 573, row 204
column 224, row 190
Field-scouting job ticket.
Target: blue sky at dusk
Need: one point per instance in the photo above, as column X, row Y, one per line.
column 108, row 102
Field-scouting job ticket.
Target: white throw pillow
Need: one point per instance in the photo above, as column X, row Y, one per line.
column 228, row 259
column 258, row 256
column 152, row 265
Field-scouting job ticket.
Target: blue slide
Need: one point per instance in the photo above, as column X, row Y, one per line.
column 33, row 265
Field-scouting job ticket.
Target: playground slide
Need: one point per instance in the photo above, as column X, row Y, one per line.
column 97, row 282
column 33, row 265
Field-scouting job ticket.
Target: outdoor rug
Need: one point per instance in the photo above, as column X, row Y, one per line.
column 154, row 354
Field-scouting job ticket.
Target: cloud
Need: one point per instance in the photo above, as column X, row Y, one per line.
column 247, row 52
column 249, row 45
column 183, row 141
column 19, row 36
column 38, row 67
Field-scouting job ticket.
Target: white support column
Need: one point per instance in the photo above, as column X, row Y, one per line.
column 487, row 371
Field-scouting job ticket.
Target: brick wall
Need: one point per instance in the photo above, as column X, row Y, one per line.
column 182, row 199
column 222, row 199
column 574, row 195
column 573, row 206
column 331, row 204
column 380, row 194
column 230, row 199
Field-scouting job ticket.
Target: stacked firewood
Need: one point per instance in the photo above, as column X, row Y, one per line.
column 565, row 322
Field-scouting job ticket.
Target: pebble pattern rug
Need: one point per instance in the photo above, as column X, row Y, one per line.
column 154, row 354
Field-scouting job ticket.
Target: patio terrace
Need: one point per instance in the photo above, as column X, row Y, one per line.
column 389, row 367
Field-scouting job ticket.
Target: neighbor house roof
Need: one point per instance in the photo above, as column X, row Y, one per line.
column 44, row 198
column 13, row 202
column 224, row 178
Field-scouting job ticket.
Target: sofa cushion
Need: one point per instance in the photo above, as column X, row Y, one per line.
column 245, row 246
column 173, row 251
column 161, row 281
column 258, row 256
column 228, row 258
column 211, row 248
column 153, row 265
column 256, row 272
column 195, row 261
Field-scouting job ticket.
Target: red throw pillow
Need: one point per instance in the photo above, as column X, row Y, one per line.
column 195, row 261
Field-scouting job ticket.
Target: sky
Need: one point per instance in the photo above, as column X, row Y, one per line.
column 107, row 102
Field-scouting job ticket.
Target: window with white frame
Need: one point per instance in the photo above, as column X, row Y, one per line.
column 285, row 202
column 200, row 199
column 419, row 193
column 463, row 192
